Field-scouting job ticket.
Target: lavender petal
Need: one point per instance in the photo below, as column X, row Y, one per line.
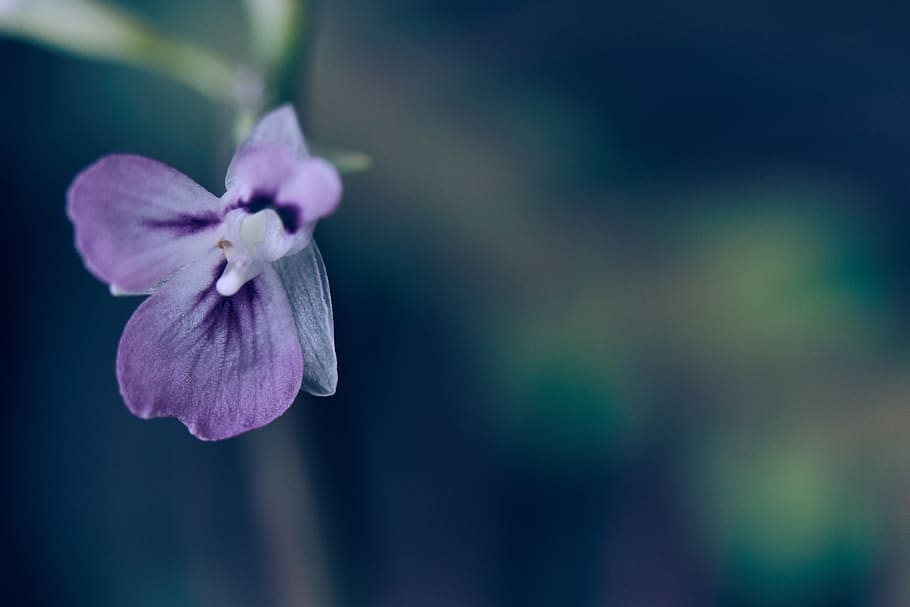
column 313, row 190
column 280, row 128
column 221, row 365
column 301, row 191
column 139, row 221
column 259, row 171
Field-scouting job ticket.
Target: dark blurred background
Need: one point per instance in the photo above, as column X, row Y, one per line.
column 621, row 309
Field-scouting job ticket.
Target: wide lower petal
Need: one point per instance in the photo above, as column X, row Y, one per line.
column 139, row 221
column 221, row 365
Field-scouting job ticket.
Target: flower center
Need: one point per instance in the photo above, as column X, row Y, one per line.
column 252, row 230
column 249, row 245
column 257, row 231
column 287, row 214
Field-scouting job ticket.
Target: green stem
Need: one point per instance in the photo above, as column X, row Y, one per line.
column 280, row 35
column 93, row 30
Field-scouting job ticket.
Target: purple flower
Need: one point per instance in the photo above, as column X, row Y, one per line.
column 240, row 317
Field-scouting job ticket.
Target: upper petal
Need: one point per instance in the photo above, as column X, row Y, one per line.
column 221, row 365
column 313, row 189
column 304, row 278
column 308, row 189
column 259, row 169
column 280, row 128
column 139, row 221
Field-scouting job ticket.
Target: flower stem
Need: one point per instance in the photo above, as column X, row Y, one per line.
column 93, row 30
column 283, row 500
column 280, row 35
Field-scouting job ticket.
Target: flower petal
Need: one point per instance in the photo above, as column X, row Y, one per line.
column 279, row 127
column 311, row 187
column 314, row 189
column 139, row 221
column 259, row 169
column 307, row 286
column 221, row 365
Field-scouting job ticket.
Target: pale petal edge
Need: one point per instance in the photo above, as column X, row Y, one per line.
column 307, row 285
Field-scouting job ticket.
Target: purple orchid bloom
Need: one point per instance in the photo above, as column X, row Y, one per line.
column 240, row 316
